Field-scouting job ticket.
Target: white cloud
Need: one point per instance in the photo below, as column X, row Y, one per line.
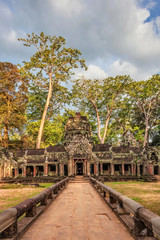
column 157, row 22
column 151, row 5
column 93, row 72
column 68, row 8
column 120, row 67
column 111, row 32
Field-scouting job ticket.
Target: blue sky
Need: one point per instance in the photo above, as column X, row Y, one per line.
column 114, row 36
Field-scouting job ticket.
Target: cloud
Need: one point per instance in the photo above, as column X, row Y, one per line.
column 69, row 8
column 157, row 23
column 112, row 32
column 125, row 68
column 151, row 4
column 93, row 72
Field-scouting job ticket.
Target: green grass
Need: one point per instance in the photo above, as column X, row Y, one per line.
column 13, row 194
column 147, row 194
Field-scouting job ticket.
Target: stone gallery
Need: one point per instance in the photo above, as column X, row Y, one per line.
column 79, row 156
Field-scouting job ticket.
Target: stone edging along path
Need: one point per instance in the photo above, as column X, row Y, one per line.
column 12, row 223
column 79, row 213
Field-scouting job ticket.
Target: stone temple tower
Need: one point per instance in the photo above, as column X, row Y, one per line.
column 78, row 145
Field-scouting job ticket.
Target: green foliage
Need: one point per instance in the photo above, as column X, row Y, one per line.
column 146, row 104
column 37, row 100
column 52, row 134
column 49, row 67
column 100, row 99
column 155, row 136
column 14, row 97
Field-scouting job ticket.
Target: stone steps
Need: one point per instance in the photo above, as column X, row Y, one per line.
column 79, row 179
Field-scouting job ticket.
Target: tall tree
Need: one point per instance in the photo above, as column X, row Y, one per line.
column 101, row 98
column 52, row 64
column 37, row 99
column 13, row 95
column 146, row 96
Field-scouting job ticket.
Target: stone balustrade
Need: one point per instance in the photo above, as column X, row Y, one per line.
column 30, row 207
column 140, row 221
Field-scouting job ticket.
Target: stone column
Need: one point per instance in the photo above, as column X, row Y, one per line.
column 132, row 169
column 9, row 171
column 61, row 169
column 101, row 168
column 88, row 168
column 85, row 167
column 138, row 170
column 122, row 166
column 34, row 171
column 4, row 168
column 46, row 169
column 150, row 169
column 75, row 168
column 2, row 171
column 70, row 167
column 16, row 172
column 24, row 171
column 56, row 169
column 112, row 169
column 96, row 169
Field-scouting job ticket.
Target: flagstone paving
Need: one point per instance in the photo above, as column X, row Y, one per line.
column 79, row 213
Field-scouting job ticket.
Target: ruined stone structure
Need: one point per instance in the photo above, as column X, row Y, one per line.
column 78, row 156
column 8, row 166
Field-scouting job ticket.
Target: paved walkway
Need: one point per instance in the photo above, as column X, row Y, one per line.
column 78, row 213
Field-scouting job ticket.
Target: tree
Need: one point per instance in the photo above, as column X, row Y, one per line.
column 52, row 132
column 101, row 99
column 52, row 64
column 155, row 136
column 14, row 97
column 126, row 123
column 146, row 96
column 37, row 100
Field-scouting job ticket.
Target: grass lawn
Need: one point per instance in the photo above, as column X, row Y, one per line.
column 12, row 194
column 147, row 194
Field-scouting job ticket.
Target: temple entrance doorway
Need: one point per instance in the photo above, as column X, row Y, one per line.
column 79, row 168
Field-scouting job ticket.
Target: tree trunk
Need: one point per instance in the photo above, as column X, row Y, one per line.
column 5, row 136
column 40, row 132
column 106, row 126
column 146, row 135
column 1, row 138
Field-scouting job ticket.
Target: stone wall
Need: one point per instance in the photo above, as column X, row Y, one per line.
column 54, row 160
column 79, row 156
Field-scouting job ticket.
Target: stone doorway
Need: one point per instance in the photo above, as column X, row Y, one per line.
column 79, row 168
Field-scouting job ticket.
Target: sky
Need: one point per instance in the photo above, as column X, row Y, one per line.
column 115, row 37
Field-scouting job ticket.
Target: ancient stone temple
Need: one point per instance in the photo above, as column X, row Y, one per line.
column 78, row 156
column 78, row 145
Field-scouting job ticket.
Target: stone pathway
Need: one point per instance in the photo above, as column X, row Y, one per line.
column 78, row 213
